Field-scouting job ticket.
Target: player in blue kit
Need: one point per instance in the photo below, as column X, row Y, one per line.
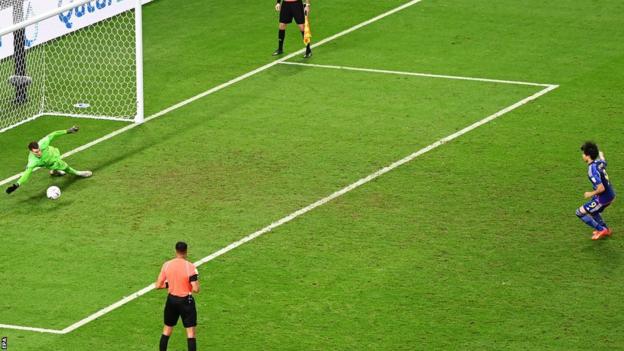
column 603, row 194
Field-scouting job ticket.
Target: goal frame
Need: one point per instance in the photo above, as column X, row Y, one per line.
column 138, row 29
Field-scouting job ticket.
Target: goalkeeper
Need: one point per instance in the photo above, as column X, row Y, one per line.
column 42, row 154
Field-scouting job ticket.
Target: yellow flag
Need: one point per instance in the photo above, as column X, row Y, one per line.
column 307, row 33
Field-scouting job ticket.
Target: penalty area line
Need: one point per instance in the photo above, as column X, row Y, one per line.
column 416, row 74
column 299, row 212
column 322, row 201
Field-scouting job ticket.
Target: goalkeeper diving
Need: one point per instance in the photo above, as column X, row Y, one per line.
column 42, row 154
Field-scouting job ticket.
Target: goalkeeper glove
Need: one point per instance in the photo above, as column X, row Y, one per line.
column 73, row 129
column 12, row 188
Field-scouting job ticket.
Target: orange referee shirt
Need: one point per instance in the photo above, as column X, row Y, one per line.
column 177, row 273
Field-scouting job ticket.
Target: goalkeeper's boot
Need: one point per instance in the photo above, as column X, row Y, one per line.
column 278, row 52
column 57, row 173
column 308, row 54
column 84, row 174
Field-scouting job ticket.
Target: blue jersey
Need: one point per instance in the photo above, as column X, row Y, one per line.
column 597, row 174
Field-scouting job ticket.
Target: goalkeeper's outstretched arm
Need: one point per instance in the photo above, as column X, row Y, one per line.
column 23, row 179
column 25, row 176
column 45, row 142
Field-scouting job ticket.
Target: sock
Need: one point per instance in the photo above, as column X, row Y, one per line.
column 598, row 218
column 589, row 220
column 307, row 46
column 281, row 35
column 192, row 346
column 164, row 340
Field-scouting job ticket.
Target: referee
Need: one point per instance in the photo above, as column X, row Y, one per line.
column 180, row 277
column 289, row 9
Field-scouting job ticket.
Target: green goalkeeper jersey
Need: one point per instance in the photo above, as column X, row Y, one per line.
column 50, row 157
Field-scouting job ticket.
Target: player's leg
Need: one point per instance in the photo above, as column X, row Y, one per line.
column 308, row 52
column 285, row 17
column 189, row 320
column 281, row 35
column 70, row 170
column 585, row 214
column 190, row 339
column 171, row 314
column 299, row 17
column 59, row 168
column 164, row 337
column 83, row 174
column 62, row 167
column 598, row 218
column 586, row 217
column 597, row 215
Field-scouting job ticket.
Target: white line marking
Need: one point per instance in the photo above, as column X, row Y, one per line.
column 110, row 308
column 318, row 203
column 165, row 111
column 312, row 206
column 428, row 75
column 39, row 330
column 226, row 84
column 21, row 122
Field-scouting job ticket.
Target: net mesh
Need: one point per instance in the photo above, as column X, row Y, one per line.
column 90, row 72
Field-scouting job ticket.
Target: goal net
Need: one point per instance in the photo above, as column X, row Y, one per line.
column 72, row 58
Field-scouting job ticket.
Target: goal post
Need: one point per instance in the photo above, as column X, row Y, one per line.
column 75, row 58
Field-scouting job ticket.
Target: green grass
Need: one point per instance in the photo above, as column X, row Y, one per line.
column 258, row 160
column 472, row 246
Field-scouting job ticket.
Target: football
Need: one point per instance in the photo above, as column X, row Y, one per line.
column 53, row 192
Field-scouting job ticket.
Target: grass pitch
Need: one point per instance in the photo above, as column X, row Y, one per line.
column 471, row 246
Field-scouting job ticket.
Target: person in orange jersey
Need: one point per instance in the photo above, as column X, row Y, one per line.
column 181, row 279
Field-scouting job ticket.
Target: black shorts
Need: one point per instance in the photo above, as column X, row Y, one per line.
column 177, row 307
column 290, row 10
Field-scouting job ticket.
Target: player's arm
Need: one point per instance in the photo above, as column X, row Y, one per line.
column 306, row 8
column 161, row 281
column 194, row 279
column 599, row 190
column 23, row 179
column 25, row 176
column 45, row 142
column 194, row 283
column 278, row 5
column 602, row 157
